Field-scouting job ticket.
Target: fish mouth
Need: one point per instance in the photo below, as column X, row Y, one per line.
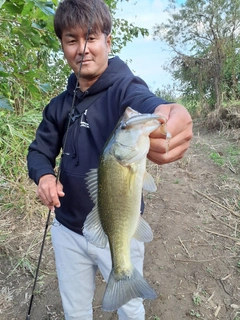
column 139, row 119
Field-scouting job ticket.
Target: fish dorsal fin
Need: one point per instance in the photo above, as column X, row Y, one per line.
column 143, row 232
column 92, row 228
column 148, row 182
column 92, row 184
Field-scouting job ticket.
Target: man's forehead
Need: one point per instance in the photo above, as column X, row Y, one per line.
column 78, row 29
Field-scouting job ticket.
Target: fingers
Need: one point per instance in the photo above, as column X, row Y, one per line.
column 179, row 127
column 49, row 191
column 178, row 120
column 170, row 156
column 159, row 142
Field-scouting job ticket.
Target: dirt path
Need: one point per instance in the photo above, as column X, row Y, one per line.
column 193, row 262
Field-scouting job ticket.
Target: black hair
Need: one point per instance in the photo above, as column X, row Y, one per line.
column 86, row 14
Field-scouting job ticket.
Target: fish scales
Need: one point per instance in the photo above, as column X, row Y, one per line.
column 125, row 199
column 117, row 193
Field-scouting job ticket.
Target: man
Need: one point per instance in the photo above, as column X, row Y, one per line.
column 112, row 87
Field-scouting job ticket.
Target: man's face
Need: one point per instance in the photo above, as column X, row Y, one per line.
column 95, row 59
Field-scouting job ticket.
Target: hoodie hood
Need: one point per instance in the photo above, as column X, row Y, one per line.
column 116, row 68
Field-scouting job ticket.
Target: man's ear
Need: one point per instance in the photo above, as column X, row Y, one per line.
column 60, row 40
column 109, row 42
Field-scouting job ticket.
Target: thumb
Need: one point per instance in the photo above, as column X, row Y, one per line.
column 163, row 110
column 60, row 189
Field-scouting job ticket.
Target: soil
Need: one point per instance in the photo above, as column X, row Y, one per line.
column 193, row 262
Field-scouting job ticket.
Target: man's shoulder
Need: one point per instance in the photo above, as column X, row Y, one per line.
column 60, row 97
column 59, row 107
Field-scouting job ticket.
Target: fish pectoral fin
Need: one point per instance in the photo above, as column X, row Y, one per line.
column 148, row 182
column 93, row 230
column 119, row 292
column 143, row 232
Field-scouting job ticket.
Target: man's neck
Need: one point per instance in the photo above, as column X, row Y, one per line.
column 85, row 84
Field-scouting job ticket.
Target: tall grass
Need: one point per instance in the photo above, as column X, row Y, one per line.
column 17, row 192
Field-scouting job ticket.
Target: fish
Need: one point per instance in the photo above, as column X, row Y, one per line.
column 116, row 190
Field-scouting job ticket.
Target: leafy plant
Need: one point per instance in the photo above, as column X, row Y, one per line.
column 217, row 158
column 197, row 300
column 195, row 314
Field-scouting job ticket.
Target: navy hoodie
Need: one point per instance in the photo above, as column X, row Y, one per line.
column 86, row 136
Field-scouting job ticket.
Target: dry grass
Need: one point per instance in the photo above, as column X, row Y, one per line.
column 20, row 232
column 225, row 119
column 19, row 196
column 6, row 297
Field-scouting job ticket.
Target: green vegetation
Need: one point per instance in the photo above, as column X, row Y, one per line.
column 195, row 314
column 202, row 34
column 217, row 158
column 197, row 300
column 238, row 266
column 229, row 156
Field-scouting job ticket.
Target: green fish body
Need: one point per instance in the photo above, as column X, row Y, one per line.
column 116, row 190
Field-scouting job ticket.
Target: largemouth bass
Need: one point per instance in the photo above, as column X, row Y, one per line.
column 116, row 190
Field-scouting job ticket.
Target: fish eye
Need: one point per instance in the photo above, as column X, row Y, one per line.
column 123, row 125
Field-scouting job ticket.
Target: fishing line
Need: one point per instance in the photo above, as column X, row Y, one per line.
column 62, row 153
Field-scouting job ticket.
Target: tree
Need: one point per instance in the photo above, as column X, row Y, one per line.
column 32, row 67
column 204, row 36
column 26, row 34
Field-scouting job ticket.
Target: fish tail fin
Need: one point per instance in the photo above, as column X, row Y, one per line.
column 120, row 292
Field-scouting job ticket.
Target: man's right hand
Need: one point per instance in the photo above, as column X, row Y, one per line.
column 49, row 191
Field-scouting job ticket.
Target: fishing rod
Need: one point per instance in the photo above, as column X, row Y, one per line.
column 28, row 317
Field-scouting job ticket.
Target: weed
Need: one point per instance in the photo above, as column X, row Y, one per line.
column 3, row 237
column 224, row 177
column 233, row 151
column 238, row 266
column 217, row 158
column 204, row 293
column 238, row 204
column 231, row 157
column 209, row 270
column 195, row 314
column 40, row 283
column 197, row 300
column 233, row 249
column 149, row 196
column 25, row 262
column 155, row 317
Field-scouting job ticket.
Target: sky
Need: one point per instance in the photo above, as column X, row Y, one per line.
column 148, row 56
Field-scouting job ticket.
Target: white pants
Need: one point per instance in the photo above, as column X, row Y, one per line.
column 77, row 261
